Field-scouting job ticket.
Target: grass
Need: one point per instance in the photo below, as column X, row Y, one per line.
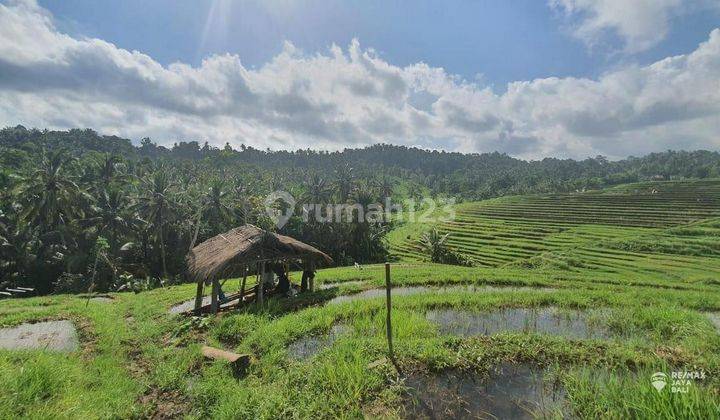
column 651, row 286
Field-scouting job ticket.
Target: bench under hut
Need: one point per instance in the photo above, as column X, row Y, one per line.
column 243, row 250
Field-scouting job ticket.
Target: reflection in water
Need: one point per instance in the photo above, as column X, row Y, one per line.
column 414, row 290
column 307, row 347
column 49, row 335
column 714, row 317
column 508, row 392
column 345, row 283
column 548, row 320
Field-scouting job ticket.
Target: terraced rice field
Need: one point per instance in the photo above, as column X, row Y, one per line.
column 576, row 303
column 657, row 228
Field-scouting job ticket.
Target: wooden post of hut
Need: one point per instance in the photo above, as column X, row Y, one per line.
column 214, row 304
column 242, row 285
column 231, row 253
column 199, row 296
column 311, row 280
column 260, row 284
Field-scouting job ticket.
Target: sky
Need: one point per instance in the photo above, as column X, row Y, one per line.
column 530, row 78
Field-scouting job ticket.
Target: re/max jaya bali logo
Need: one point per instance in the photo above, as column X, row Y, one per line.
column 678, row 382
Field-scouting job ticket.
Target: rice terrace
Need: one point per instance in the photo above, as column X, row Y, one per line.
column 344, row 210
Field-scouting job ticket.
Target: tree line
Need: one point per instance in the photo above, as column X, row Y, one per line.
column 80, row 210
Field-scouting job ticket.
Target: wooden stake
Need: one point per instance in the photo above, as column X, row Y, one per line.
column 199, row 296
column 388, row 323
column 214, row 296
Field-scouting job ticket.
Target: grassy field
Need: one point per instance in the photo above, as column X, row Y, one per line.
column 649, row 231
column 643, row 266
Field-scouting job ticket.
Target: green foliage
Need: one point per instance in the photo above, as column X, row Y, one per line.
column 599, row 395
column 64, row 189
column 435, row 246
column 71, row 283
column 88, row 207
column 126, row 282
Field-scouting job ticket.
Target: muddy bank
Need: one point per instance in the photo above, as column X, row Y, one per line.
column 97, row 298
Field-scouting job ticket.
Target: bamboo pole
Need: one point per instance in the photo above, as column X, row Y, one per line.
column 388, row 302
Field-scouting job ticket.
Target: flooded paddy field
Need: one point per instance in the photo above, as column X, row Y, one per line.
column 307, row 347
column 48, row 335
column 508, row 391
column 415, row 290
column 574, row 324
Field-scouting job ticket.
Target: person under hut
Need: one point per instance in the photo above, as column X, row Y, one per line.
column 283, row 285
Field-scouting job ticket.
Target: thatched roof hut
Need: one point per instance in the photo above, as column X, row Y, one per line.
column 229, row 254
column 225, row 254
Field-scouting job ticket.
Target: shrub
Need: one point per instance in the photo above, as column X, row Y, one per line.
column 435, row 246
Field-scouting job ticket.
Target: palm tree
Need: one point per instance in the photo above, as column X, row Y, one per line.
column 109, row 170
column 216, row 208
column 364, row 196
column 386, row 186
column 48, row 196
column 318, row 191
column 50, row 201
column 112, row 216
column 155, row 205
column 343, row 181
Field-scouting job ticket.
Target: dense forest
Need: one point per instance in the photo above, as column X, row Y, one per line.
column 83, row 211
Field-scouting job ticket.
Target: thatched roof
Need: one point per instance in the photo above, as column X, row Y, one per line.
column 224, row 254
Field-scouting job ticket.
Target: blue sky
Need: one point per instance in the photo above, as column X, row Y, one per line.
column 533, row 79
column 499, row 40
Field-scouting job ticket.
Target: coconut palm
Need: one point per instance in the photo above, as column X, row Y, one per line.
column 215, row 208
column 49, row 196
column 219, row 211
column 112, row 216
column 317, row 190
column 156, row 205
column 110, row 168
column 343, row 181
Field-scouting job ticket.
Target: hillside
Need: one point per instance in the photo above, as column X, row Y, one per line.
column 79, row 210
column 663, row 230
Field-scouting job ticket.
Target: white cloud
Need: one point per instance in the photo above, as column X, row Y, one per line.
column 640, row 24
column 352, row 97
